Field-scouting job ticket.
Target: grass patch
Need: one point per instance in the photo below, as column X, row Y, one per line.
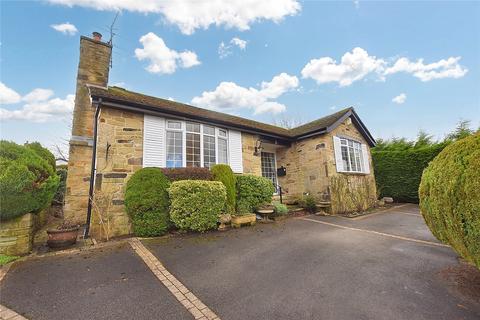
column 4, row 259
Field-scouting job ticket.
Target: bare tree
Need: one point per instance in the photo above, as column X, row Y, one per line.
column 287, row 122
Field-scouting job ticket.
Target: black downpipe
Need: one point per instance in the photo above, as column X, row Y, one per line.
column 92, row 172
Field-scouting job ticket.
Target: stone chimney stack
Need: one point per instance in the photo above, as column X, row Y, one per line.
column 93, row 69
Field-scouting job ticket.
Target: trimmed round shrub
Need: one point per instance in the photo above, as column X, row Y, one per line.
column 196, row 204
column 147, row 202
column 253, row 191
column 224, row 174
column 177, row 174
column 280, row 208
column 450, row 197
column 27, row 182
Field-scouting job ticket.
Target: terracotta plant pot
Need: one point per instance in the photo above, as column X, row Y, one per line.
column 62, row 238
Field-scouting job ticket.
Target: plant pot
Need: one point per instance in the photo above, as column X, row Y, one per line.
column 265, row 213
column 224, row 219
column 62, row 238
column 238, row 221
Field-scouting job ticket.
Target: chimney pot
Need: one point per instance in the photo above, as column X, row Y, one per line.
column 97, row 36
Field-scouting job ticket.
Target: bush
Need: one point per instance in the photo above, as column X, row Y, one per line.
column 59, row 196
column 196, row 204
column 147, row 203
column 280, row 209
column 308, row 203
column 44, row 153
column 27, row 182
column 398, row 173
column 450, row 197
column 177, row 174
column 224, row 174
column 253, row 191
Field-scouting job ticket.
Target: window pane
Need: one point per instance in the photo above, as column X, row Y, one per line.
column 193, row 127
column 346, row 163
column 193, row 149
column 174, row 149
column 209, row 130
column 222, row 151
column 222, row 132
column 351, row 155
column 174, row 125
column 208, row 151
column 268, row 167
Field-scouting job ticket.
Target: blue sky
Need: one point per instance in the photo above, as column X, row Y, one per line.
column 290, row 65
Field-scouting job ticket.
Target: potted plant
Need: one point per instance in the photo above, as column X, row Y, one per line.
column 63, row 236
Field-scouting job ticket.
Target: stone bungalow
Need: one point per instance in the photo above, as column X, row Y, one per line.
column 116, row 132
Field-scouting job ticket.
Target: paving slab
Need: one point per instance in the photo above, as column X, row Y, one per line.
column 110, row 283
column 298, row 269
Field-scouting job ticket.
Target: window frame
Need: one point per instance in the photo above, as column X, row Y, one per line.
column 354, row 153
column 183, row 128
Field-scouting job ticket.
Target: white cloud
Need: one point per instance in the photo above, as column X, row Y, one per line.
column 445, row 68
column 189, row 15
column 38, row 95
column 7, row 95
column 39, row 107
column 242, row 44
column 224, row 50
column 163, row 59
column 400, row 98
column 356, row 3
column 65, row 28
column 353, row 66
column 358, row 64
column 228, row 96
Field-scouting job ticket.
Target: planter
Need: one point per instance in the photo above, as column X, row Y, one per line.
column 265, row 213
column 224, row 219
column 62, row 238
column 238, row 221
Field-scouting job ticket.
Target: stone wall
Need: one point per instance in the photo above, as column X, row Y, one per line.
column 16, row 235
column 252, row 164
column 119, row 155
column 310, row 165
column 93, row 69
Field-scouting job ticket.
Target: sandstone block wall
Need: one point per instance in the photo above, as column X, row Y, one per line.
column 119, row 155
column 251, row 164
column 16, row 235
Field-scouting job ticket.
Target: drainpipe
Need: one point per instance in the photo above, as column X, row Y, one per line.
column 92, row 172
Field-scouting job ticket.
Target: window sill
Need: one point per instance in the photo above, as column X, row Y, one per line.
column 354, row 173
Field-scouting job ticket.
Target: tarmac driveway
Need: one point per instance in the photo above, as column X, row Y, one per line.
column 305, row 269
column 382, row 266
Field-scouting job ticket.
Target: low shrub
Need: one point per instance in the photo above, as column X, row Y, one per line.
column 147, row 202
column 177, row 174
column 308, row 203
column 27, row 181
column 450, row 198
column 224, row 174
column 253, row 191
column 280, row 208
column 196, row 204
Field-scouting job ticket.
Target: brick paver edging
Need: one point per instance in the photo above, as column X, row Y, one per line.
column 183, row 295
column 8, row 314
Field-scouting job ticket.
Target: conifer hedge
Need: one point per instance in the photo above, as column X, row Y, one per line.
column 398, row 173
column 450, row 197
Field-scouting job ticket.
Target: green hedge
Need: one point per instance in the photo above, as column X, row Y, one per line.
column 196, row 204
column 27, row 181
column 253, row 191
column 398, row 173
column 147, row 202
column 450, row 197
column 59, row 197
column 224, row 174
column 177, row 174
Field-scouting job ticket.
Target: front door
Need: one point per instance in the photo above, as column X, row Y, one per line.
column 269, row 168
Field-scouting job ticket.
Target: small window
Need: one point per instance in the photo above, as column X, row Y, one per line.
column 177, row 125
column 193, row 127
column 209, row 130
column 222, row 151
column 222, row 132
column 352, row 156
